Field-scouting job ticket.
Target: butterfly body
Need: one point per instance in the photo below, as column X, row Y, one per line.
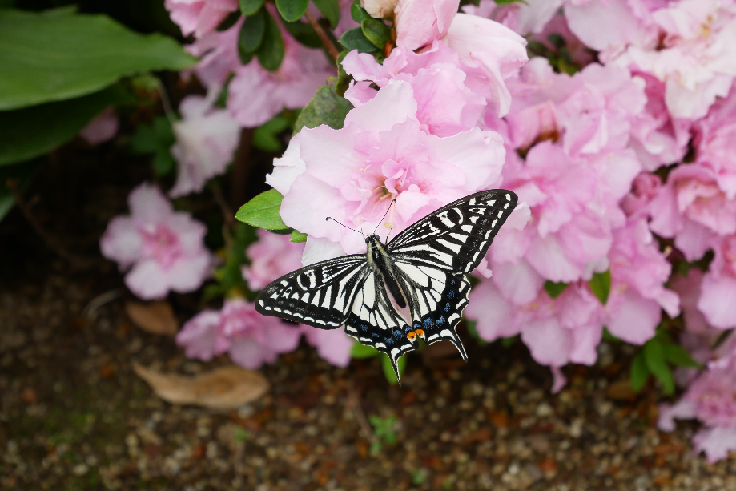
column 423, row 268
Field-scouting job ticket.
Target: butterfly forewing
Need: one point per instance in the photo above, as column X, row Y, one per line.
column 319, row 295
column 456, row 237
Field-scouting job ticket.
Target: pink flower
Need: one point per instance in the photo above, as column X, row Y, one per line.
column 218, row 54
column 206, row 139
column 715, row 136
column 381, row 153
column 443, row 87
column 493, row 48
column 102, row 128
column 718, row 290
column 688, row 288
column 692, row 208
column 162, row 248
column 257, row 95
column 609, row 25
column 637, row 295
column 250, row 338
column 332, row 344
column 199, row 16
column 711, row 398
column 271, row 257
column 644, row 189
column 419, row 22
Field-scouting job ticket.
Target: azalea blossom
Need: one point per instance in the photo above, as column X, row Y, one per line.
column 162, row 249
column 714, row 141
column 419, row 22
column 250, row 338
column 102, row 128
column 718, row 289
column 333, row 345
column 381, row 153
column 206, row 139
column 199, row 17
column 271, row 257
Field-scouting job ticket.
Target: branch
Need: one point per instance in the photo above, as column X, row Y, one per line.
column 331, row 49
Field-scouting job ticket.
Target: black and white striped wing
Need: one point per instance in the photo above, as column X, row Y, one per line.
column 374, row 321
column 436, row 301
column 320, row 295
column 456, row 237
column 431, row 257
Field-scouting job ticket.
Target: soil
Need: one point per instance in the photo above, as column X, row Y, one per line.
column 74, row 416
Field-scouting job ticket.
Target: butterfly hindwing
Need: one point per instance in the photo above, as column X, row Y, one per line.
column 319, row 295
column 456, row 237
column 374, row 321
column 436, row 301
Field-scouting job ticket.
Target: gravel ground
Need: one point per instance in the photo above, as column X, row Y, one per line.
column 74, row 415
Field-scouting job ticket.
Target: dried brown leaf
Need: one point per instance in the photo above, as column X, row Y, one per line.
column 154, row 317
column 222, row 388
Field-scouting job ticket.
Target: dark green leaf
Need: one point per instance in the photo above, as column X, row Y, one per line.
column 271, row 52
column 298, row 237
column 35, row 130
column 388, row 369
column 553, row 289
column 639, row 372
column 250, row 7
column 163, row 164
column 676, row 355
column 600, row 285
column 230, row 275
column 330, row 9
column 657, row 365
column 376, row 32
column 358, row 12
column 156, row 138
column 304, row 33
column 251, row 33
column 229, row 21
column 361, row 351
column 263, row 211
column 326, row 107
column 265, row 137
column 54, row 56
column 292, row 10
column 343, row 78
column 355, row 39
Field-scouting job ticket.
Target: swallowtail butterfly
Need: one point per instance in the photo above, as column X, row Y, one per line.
column 423, row 267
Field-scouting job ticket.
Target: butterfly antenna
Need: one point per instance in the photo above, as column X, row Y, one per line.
column 385, row 214
column 359, row 231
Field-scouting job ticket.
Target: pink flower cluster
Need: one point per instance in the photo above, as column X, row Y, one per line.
column 162, row 249
column 632, row 151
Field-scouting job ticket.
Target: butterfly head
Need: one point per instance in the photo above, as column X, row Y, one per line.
column 373, row 240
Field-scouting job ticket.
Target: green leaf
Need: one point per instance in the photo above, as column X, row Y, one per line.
column 156, row 138
column 355, row 39
column 265, row 136
column 263, row 211
column 677, row 355
column 292, row 10
column 271, row 52
column 361, row 351
column 304, row 33
column 358, row 12
column 298, row 237
column 600, row 285
column 33, row 131
column 330, row 9
column 657, row 365
column 53, row 56
column 229, row 21
column 343, row 78
column 639, row 372
column 553, row 289
column 250, row 7
column 230, row 275
column 388, row 369
column 24, row 174
column 376, row 32
column 326, row 107
column 251, row 34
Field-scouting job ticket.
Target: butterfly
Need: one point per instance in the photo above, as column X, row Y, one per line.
column 423, row 267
